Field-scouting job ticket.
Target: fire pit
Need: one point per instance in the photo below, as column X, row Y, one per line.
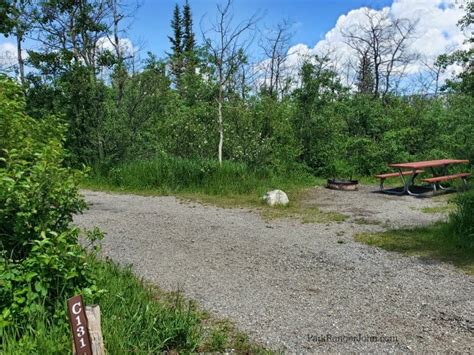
column 344, row 185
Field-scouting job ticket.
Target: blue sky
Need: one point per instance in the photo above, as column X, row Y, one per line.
column 312, row 18
column 318, row 27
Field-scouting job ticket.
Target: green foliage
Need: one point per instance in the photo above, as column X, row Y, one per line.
column 176, row 57
column 457, row 127
column 464, row 81
column 40, row 259
column 183, row 58
column 135, row 318
column 82, row 102
column 461, row 222
column 7, row 22
column 317, row 121
column 167, row 174
column 261, row 134
column 146, row 114
column 169, row 107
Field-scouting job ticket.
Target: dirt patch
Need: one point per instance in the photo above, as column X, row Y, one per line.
column 374, row 207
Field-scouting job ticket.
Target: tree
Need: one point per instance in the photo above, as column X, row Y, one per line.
column 6, row 21
column 226, row 56
column 463, row 82
column 365, row 75
column 428, row 81
column 191, row 60
column 275, row 47
column 176, row 56
column 317, row 120
column 120, row 72
column 121, row 57
column 183, row 59
column 384, row 41
column 15, row 19
column 70, row 33
column 189, row 41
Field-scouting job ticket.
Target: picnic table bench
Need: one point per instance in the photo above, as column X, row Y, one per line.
column 400, row 174
column 437, row 179
column 413, row 169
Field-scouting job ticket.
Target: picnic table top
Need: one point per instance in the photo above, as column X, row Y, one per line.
column 428, row 164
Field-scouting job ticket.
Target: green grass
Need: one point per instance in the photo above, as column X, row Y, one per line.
column 366, row 221
column 136, row 318
column 438, row 209
column 296, row 209
column 232, row 185
column 169, row 175
column 435, row 242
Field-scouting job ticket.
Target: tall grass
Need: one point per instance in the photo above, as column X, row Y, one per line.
column 167, row 174
column 461, row 221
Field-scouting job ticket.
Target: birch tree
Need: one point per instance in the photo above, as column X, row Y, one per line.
column 226, row 44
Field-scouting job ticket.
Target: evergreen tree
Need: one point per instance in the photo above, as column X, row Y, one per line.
column 190, row 80
column 365, row 76
column 183, row 59
column 188, row 38
column 176, row 57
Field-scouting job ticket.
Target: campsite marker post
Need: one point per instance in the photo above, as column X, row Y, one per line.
column 78, row 322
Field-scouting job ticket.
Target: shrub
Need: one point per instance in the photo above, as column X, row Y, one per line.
column 40, row 259
column 462, row 220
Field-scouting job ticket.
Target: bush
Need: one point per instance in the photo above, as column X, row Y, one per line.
column 462, row 220
column 40, row 259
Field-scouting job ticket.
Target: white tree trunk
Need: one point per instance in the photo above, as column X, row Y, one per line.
column 221, row 126
column 21, row 62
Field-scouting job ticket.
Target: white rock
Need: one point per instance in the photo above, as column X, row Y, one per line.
column 276, row 197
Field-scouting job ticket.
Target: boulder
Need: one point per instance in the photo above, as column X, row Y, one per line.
column 276, row 197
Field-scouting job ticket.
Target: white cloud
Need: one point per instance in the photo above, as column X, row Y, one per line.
column 8, row 55
column 436, row 32
column 126, row 46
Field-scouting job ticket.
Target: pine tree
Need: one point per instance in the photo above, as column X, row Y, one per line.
column 188, row 38
column 365, row 77
column 189, row 54
column 176, row 57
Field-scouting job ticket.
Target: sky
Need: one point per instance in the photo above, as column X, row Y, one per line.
column 317, row 25
column 312, row 18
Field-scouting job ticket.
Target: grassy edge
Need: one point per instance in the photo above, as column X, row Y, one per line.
column 295, row 209
column 137, row 317
column 218, row 334
column 433, row 243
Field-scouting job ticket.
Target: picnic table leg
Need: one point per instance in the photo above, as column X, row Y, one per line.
column 437, row 185
column 406, row 183
column 411, row 182
column 445, row 172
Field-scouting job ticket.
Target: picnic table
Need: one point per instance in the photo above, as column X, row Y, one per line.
column 413, row 169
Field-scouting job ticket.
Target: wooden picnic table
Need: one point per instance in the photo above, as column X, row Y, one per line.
column 415, row 167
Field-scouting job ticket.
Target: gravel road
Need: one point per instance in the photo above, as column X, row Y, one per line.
column 291, row 286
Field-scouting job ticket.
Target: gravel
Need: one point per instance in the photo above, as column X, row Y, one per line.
column 291, row 286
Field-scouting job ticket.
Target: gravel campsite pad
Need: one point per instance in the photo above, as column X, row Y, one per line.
column 293, row 286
